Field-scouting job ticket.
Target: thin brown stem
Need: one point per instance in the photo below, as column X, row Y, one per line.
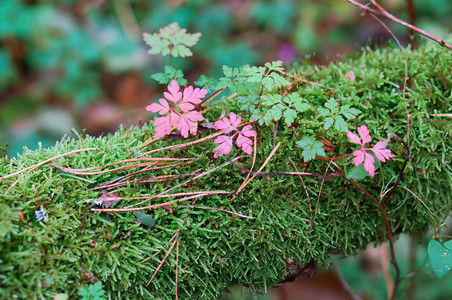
column 166, row 256
column 381, row 11
column 249, row 173
column 46, row 161
column 399, row 177
column 184, row 144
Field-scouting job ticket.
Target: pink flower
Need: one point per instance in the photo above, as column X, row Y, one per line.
column 226, row 142
column 181, row 113
column 361, row 155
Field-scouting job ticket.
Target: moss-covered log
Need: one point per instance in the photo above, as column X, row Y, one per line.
column 216, row 248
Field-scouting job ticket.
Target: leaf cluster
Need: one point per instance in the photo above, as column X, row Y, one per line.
column 171, row 40
column 335, row 115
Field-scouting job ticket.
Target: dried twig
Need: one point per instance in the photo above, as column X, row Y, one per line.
column 304, row 80
column 381, row 11
column 130, row 208
column 184, row 144
column 46, row 161
column 263, row 165
column 176, row 236
column 75, row 172
column 249, row 173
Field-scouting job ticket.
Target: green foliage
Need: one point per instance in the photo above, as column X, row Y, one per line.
column 169, row 75
column 171, row 40
column 311, row 148
column 216, row 248
column 274, row 106
column 268, row 76
column 440, row 256
column 93, row 292
column 235, row 79
column 333, row 115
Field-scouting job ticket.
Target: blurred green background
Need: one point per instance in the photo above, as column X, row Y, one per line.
column 83, row 64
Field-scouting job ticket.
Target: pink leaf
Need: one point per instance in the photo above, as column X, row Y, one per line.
column 364, row 134
column 381, row 152
column 163, row 126
column 191, row 96
column 174, row 95
column 228, row 125
column 247, row 131
column 359, row 157
column 187, row 122
column 350, row 75
column 225, row 145
column 354, row 138
column 163, row 108
column 174, row 119
column 245, row 143
column 369, row 164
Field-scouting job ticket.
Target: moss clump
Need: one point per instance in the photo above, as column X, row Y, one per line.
column 216, row 249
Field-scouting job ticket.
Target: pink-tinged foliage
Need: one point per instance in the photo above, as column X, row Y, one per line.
column 361, row 155
column 225, row 145
column 243, row 140
column 228, row 125
column 181, row 114
column 381, row 152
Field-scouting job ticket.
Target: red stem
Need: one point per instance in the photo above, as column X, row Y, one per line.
column 335, row 157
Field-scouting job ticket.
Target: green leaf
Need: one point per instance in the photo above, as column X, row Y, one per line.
column 171, row 40
column 144, row 218
column 94, row 292
column 340, row 124
column 271, row 99
column 328, row 122
column 311, row 148
column 294, row 100
column 274, row 80
column 349, row 112
column 290, row 115
column 275, row 66
column 255, row 74
column 440, row 256
column 170, row 74
column 323, row 111
column 332, row 106
column 274, row 113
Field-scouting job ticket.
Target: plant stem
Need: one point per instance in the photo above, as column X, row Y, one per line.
column 335, row 157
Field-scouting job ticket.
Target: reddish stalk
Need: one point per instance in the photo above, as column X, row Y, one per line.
column 145, row 180
column 335, row 157
column 384, row 212
column 160, row 196
column 184, row 144
column 381, row 11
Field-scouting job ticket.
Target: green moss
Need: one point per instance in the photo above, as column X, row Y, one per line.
column 39, row 259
